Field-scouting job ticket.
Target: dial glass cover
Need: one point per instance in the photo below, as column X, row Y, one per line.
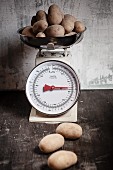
column 52, row 87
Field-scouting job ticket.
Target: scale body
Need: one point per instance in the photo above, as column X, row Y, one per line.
column 53, row 54
column 70, row 115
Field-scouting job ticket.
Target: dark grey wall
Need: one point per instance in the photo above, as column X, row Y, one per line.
column 92, row 58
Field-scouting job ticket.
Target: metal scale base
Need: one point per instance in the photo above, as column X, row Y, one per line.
column 71, row 115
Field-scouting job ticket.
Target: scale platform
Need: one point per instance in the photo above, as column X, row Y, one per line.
column 69, row 116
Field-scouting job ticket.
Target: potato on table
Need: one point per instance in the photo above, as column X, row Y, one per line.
column 69, row 130
column 51, row 143
column 62, row 159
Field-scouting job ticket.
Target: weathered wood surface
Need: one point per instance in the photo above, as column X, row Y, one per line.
column 92, row 58
column 19, row 139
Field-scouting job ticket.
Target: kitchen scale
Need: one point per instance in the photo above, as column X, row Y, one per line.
column 52, row 87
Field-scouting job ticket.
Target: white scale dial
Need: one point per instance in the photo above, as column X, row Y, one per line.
column 52, row 87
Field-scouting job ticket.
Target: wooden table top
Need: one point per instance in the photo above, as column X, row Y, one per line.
column 19, row 139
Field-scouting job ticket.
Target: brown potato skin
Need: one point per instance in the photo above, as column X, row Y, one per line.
column 79, row 27
column 68, row 25
column 55, row 15
column 62, row 159
column 55, row 31
column 41, row 15
column 69, row 130
column 70, row 17
column 71, row 33
column 40, row 34
column 40, row 26
column 28, row 31
column 51, row 143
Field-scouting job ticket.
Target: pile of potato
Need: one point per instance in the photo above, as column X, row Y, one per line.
column 53, row 24
column 60, row 159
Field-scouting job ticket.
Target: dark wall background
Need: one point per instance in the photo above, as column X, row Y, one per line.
column 92, row 58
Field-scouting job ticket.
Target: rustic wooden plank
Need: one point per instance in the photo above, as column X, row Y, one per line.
column 19, row 139
column 92, row 58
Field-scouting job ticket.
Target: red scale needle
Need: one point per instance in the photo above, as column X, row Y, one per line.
column 50, row 88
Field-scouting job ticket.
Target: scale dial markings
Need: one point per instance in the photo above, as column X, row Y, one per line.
column 52, row 87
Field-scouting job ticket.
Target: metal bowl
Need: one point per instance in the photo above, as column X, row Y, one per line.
column 42, row 42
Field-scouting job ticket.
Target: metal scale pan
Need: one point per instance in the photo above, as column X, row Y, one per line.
column 42, row 42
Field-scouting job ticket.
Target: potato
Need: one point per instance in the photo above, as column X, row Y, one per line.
column 41, row 15
column 51, row 143
column 39, row 26
column 28, row 31
column 68, row 25
column 54, row 15
column 79, row 27
column 55, row 31
column 69, row 17
column 71, row 33
column 69, row 130
column 40, row 34
column 33, row 20
column 62, row 159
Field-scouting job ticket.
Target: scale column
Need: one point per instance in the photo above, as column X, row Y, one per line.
column 63, row 55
